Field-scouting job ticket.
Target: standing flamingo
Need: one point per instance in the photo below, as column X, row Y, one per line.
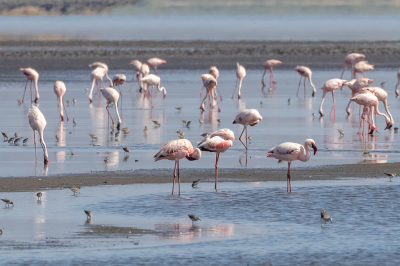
column 382, row 96
column 38, row 123
column 136, row 64
column 59, row 90
column 153, row 80
column 218, row 141
column 330, row 86
column 101, row 65
column 155, row 62
column 32, row 76
column 269, row 65
column 144, row 71
column 112, row 96
column 215, row 73
column 306, row 73
column 240, row 74
column 210, row 83
column 350, row 60
column 355, row 85
column 290, row 152
column 361, row 67
column 174, row 151
column 396, row 91
column 247, row 117
column 119, row 80
column 96, row 76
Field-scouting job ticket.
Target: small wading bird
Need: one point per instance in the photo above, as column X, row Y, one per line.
column 325, row 217
column 88, row 214
column 194, row 218
column 350, row 60
column 290, row 152
column 247, row 117
column 330, row 86
column 59, row 90
column 94, row 137
column 38, row 123
column 126, row 150
column 32, row 76
column 112, row 96
column 306, row 73
column 5, row 135
column 25, row 141
column 269, row 65
column 219, row 142
column 240, row 74
column 174, row 151
column 155, row 123
column 8, row 202
column 76, row 189
column 195, row 183
column 39, row 196
column 155, row 62
column 125, row 130
column 341, row 132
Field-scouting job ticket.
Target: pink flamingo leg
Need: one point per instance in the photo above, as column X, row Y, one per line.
column 333, row 106
column 30, row 87
column 64, row 108
column 240, row 138
column 173, row 180
column 289, row 185
column 24, row 91
column 305, row 87
column 179, row 180
column 216, row 170
column 297, row 94
column 109, row 114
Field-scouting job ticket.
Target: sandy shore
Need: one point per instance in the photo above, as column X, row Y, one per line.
column 65, row 55
column 10, row 184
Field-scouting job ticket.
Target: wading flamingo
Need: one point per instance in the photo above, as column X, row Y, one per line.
column 101, row 65
column 96, row 76
column 240, row 74
column 213, row 72
column 382, row 96
column 210, row 83
column 112, row 96
column 330, row 86
column 155, row 62
column 153, row 80
column 361, row 67
column 290, row 152
column 355, row 85
column 119, row 80
column 306, row 73
column 144, row 71
column 396, row 91
column 174, row 151
column 59, row 90
column 218, row 141
column 350, row 60
column 32, row 76
column 247, row 117
column 269, row 65
column 136, row 64
column 38, row 123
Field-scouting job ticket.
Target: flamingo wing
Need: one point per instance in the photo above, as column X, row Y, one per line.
column 215, row 144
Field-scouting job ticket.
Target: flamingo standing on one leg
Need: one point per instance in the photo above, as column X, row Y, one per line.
column 96, row 76
column 112, row 96
column 219, row 142
column 290, row 152
column 155, row 62
column 306, row 73
column 355, row 85
column 38, row 123
column 350, row 60
column 361, row 67
column 247, row 117
column 382, row 96
column 330, row 86
column 269, row 65
column 32, row 76
column 119, row 80
column 59, row 90
column 396, row 91
column 105, row 67
column 144, row 71
column 137, row 65
column 174, row 151
column 240, row 74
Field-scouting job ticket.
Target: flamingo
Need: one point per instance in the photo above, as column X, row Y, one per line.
column 174, row 151
column 396, row 91
column 215, row 73
column 144, row 71
column 210, row 83
column 382, row 96
column 330, row 86
column 119, row 80
column 355, row 85
column 306, row 73
column 32, row 76
column 240, row 74
column 101, row 65
column 112, row 96
column 136, row 64
column 247, row 117
column 219, row 142
column 351, row 59
column 290, row 152
column 269, row 65
column 38, row 123
column 96, row 76
column 59, row 90
column 155, row 62
column 361, row 67
column 153, row 80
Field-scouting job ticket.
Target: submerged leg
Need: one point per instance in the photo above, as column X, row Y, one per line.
column 297, row 94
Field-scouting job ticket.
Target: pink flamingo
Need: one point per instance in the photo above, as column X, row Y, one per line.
column 240, row 74
column 350, row 60
column 144, row 71
column 136, row 64
column 290, row 152
column 38, row 123
column 218, row 141
column 382, row 96
column 306, row 73
column 269, row 65
column 247, row 117
column 174, row 151
column 355, row 85
column 96, row 76
column 155, row 62
column 112, row 96
column 104, row 66
column 396, row 91
column 32, row 76
column 210, row 83
column 330, row 86
column 59, row 90
column 119, row 80
column 361, row 67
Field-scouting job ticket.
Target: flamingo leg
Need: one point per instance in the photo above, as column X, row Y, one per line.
column 220, row 95
column 216, row 170
column 155, row 70
column 201, row 90
column 305, row 87
column 270, row 78
column 235, row 87
column 30, row 87
column 108, row 111
column 240, row 138
column 24, row 91
column 297, row 94
column 173, row 180
column 333, row 106
column 179, row 180
column 64, row 108
column 262, row 79
column 289, row 185
column 120, row 93
column 201, row 104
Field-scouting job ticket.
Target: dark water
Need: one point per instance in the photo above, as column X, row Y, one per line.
column 243, row 223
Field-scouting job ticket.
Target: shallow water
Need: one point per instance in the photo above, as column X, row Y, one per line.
column 242, row 223
column 281, row 122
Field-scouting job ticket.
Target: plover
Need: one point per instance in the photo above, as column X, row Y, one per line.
column 195, row 183
column 74, row 100
column 219, row 121
column 125, row 130
column 106, row 160
column 11, row 140
column 126, row 150
column 8, row 202
column 325, row 217
column 19, row 102
column 25, row 141
column 88, row 214
column 5, row 135
column 67, row 101
column 383, row 84
column 76, row 189
column 194, row 218
column 184, row 121
column 16, row 134
column 201, row 121
column 341, row 132
column 250, row 137
column 179, row 108
column 156, row 123
column 93, row 136
column 145, row 129
column 261, row 102
column 39, row 196
column 17, row 140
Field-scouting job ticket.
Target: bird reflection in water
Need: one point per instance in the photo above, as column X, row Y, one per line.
column 187, row 231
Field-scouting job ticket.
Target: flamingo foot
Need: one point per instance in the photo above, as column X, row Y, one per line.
column 358, row 133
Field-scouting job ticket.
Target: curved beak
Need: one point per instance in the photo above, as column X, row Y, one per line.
column 389, row 125
column 315, row 148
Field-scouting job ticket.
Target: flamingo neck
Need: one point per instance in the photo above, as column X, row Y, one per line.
column 305, row 154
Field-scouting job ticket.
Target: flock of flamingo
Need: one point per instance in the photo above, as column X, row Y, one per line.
column 221, row 140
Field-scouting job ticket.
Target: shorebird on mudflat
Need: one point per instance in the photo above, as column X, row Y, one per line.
column 11, row 140
column 195, row 183
column 178, row 108
column 126, row 150
column 8, row 202
column 145, row 129
column 341, row 132
column 93, row 136
column 325, row 217
column 88, row 214
column 194, row 218
column 39, row 196
column 390, row 175
column 25, row 141
column 5, row 135
column 76, row 189
column 156, row 123
column 125, row 130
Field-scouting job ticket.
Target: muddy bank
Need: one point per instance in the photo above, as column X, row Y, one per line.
column 10, row 184
column 45, row 55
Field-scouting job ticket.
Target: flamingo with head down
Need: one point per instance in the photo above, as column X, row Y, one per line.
column 119, row 80
column 240, row 74
column 38, row 123
column 155, row 62
column 382, row 96
column 59, row 90
column 306, row 73
column 269, row 65
column 112, row 96
column 330, row 86
column 32, row 76
column 350, row 60
column 355, row 85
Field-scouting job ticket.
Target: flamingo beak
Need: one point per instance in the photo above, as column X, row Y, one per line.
column 314, row 147
column 389, row 125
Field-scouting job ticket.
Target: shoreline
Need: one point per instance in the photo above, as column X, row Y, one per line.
column 14, row 184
